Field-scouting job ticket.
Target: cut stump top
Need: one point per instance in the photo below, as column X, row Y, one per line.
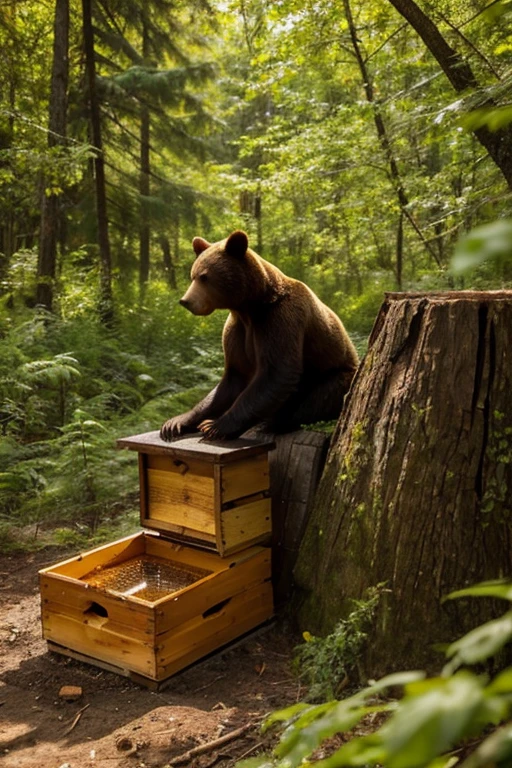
column 437, row 296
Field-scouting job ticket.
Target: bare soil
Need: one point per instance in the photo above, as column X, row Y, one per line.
column 115, row 723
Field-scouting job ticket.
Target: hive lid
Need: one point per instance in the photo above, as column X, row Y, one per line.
column 196, row 447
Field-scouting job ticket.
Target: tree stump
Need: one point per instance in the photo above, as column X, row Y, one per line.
column 417, row 489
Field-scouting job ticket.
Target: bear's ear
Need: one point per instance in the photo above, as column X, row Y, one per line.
column 237, row 244
column 199, row 245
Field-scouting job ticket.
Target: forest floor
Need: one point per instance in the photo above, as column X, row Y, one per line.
column 115, row 722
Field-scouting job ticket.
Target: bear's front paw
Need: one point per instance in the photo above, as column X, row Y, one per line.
column 176, row 426
column 216, row 430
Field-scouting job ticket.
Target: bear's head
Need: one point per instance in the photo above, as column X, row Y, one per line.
column 225, row 275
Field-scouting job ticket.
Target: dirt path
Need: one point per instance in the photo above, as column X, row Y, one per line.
column 211, row 699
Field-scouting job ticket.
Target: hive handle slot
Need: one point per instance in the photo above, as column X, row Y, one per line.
column 216, row 608
column 95, row 614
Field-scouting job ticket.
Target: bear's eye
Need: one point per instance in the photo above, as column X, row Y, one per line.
column 203, row 278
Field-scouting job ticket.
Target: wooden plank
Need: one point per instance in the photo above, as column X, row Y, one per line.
column 244, row 524
column 205, row 634
column 183, row 500
column 108, row 554
column 123, row 615
column 218, row 506
column 196, row 447
column 203, row 595
column 143, row 486
column 196, row 558
column 178, row 466
column 245, row 478
column 63, row 651
column 180, row 533
column 295, row 469
column 100, row 643
column 145, row 634
column 181, row 553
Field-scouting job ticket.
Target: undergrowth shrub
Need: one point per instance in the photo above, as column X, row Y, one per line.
column 459, row 719
column 323, row 663
column 69, row 387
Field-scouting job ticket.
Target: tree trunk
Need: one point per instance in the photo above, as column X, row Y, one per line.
column 383, row 137
column 497, row 143
column 169, row 268
column 144, row 233
column 417, row 488
column 145, row 169
column 106, row 303
column 50, row 210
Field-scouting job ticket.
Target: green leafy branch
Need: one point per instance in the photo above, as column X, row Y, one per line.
column 431, row 720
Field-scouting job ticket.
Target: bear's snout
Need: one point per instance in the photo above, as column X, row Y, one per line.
column 196, row 302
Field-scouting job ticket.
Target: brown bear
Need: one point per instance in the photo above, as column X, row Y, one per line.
column 288, row 359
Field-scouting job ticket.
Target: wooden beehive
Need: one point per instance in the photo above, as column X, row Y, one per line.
column 87, row 614
column 214, row 495
column 152, row 603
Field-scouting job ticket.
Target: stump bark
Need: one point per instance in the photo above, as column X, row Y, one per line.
column 296, row 465
column 417, row 488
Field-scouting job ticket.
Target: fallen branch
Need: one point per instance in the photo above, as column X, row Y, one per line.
column 210, row 746
column 75, row 721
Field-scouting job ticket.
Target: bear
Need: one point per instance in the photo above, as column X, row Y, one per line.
column 288, row 358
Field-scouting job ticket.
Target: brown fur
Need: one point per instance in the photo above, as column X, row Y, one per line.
column 288, row 359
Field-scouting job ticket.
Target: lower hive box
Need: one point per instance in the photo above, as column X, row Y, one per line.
column 147, row 607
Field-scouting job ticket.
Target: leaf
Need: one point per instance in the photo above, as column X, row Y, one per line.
column 443, row 762
column 283, row 715
column 300, row 741
column 490, row 242
column 496, row 750
column 494, row 119
column 501, row 588
column 359, row 751
column 481, row 643
column 502, row 683
column 425, row 726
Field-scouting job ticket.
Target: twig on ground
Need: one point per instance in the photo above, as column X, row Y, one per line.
column 251, row 750
column 75, row 720
column 204, row 687
column 185, row 757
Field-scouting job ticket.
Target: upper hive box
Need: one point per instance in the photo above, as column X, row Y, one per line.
column 211, row 494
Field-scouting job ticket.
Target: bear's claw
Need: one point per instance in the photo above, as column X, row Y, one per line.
column 174, row 427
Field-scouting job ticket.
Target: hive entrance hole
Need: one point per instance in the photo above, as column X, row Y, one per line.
column 216, row 608
column 95, row 609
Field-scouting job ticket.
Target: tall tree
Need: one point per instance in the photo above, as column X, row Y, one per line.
column 106, row 303
column 384, row 140
column 463, row 79
column 50, row 208
column 145, row 163
column 149, row 86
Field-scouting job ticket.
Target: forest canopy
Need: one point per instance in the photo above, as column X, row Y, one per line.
column 356, row 142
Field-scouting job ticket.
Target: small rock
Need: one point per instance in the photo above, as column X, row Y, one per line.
column 70, row 692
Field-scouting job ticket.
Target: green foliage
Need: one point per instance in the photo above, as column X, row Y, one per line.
column 488, row 243
column 424, row 728
column 61, row 412
column 323, row 663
